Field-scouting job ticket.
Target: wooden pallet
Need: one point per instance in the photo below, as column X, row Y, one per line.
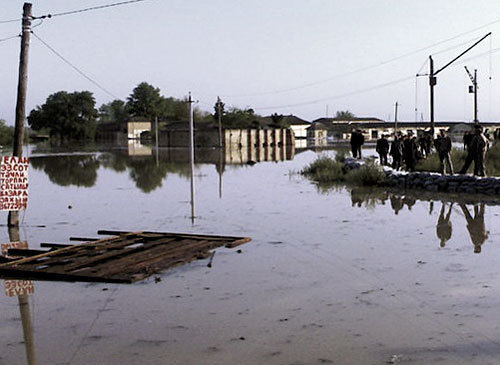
column 126, row 257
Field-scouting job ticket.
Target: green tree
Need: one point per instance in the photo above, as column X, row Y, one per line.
column 279, row 120
column 145, row 101
column 113, row 112
column 241, row 118
column 68, row 116
column 219, row 105
column 6, row 134
column 344, row 115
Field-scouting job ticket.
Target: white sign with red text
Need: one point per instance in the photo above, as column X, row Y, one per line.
column 14, row 183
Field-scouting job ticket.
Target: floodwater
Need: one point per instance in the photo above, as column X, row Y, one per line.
column 331, row 276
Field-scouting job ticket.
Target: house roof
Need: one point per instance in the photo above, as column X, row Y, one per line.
column 350, row 120
column 289, row 119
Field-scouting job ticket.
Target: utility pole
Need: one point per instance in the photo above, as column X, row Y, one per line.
column 432, row 83
column 395, row 117
column 433, row 74
column 13, row 219
column 191, row 152
column 473, row 89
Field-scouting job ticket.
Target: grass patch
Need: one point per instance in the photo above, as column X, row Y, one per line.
column 326, row 170
column 431, row 163
column 368, row 174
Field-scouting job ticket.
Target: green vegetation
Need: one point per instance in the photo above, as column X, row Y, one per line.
column 431, row 163
column 368, row 174
column 6, row 134
column 344, row 115
column 66, row 116
column 326, row 170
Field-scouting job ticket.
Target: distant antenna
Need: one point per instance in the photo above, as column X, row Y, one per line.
column 327, row 110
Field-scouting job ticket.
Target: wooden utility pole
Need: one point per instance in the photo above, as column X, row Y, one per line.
column 13, row 219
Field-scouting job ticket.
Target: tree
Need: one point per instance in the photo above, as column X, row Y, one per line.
column 68, row 116
column 6, row 134
column 113, row 112
column 241, row 118
column 279, row 120
column 219, row 104
column 345, row 115
column 145, row 101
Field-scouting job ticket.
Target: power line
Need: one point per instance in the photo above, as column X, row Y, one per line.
column 338, row 96
column 10, row 21
column 8, row 38
column 411, row 53
column 88, row 9
column 73, row 66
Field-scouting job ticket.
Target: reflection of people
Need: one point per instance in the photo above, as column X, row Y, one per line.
column 409, row 201
column 443, row 227
column 476, row 227
column 396, row 203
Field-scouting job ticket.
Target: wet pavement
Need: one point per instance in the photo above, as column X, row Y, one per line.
column 332, row 276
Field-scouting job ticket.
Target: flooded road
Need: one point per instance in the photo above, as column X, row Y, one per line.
column 332, row 276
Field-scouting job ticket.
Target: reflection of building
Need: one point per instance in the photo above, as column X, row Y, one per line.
column 136, row 148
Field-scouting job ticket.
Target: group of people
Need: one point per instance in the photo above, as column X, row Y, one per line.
column 407, row 150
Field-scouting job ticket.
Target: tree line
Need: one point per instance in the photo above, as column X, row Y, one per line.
column 73, row 115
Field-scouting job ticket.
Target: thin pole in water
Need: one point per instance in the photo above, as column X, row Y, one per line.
column 191, row 153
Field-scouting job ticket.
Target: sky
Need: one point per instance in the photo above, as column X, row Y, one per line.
column 307, row 58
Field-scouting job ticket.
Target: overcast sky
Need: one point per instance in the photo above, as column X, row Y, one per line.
column 285, row 56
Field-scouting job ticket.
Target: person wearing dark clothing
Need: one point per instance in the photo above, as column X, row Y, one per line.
column 443, row 227
column 357, row 140
column 382, row 149
column 476, row 152
column 397, row 151
column 443, row 147
column 410, row 151
column 475, row 226
column 468, row 135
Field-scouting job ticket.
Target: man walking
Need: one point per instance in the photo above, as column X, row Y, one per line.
column 410, row 151
column 443, row 147
column 476, row 152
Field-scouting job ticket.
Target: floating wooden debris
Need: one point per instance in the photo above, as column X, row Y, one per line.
column 126, row 257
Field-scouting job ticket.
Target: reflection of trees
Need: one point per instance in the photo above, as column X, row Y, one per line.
column 69, row 170
column 145, row 171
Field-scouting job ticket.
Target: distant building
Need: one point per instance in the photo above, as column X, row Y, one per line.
column 121, row 132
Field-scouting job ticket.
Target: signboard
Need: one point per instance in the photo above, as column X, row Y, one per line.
column 14, row 183
column 15, row 288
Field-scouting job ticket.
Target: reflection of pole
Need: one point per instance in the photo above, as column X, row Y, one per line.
column 13, row 219
column 219, row 115
column 220, row 173
column 156, row 134
column 191, row 153
column 24, row 309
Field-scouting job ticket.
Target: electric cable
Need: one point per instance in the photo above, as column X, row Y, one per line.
column 87, row 9
column 73, row 66
column 8, row 38
column 10, row 21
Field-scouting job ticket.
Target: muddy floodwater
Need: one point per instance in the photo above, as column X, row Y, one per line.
column 332, row 275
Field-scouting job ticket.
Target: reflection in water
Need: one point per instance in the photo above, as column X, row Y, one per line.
column 475, row 224
column 476, row 227
column 148, row 169
column 443, row 227
column 66, row 170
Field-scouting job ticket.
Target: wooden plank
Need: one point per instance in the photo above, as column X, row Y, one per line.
column 24, row 252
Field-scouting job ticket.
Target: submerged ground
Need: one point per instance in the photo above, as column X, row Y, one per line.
column 332, row 276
